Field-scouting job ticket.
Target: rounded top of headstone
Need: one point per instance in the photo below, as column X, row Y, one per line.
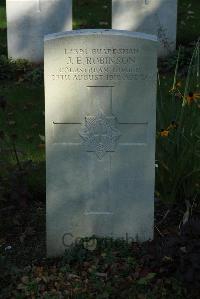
column 86, row 32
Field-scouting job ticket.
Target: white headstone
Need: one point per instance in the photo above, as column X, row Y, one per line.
column 100, row 97
column 157, row 17
column 29, row 20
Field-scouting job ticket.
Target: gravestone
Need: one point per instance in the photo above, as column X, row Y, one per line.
column 29, row 20
column 100, row 99
column 158, row 17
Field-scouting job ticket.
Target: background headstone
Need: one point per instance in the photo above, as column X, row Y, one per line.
column 29, row 20
column 157, row 17
column 100, row 94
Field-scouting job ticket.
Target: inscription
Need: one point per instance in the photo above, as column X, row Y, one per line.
column 101, row 77
column 106, row 51
column 99, row 60
column 100, row 64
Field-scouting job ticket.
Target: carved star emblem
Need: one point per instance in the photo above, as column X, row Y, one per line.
column 99, row 134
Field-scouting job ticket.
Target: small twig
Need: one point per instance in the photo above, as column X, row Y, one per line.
column 186, row 215
column 16, row 156
column 158, row 231
column 164, row 217
column 193, row 203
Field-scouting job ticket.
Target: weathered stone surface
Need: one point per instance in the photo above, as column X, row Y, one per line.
column 100, row 94
column 29, row 20
column 157, row 17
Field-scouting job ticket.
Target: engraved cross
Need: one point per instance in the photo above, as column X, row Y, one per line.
column 100, row 131
column 99, row 120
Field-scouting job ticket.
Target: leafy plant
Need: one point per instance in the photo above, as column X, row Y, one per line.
column 178, row 137
column 6, row 68
column 169, row 64
column 20, row 70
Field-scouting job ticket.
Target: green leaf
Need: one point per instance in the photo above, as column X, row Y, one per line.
column 146, row 279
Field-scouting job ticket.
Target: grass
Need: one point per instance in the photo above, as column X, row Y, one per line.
column 2, row 14
column 91, row 14
column 3, row 25
column 25, row 117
